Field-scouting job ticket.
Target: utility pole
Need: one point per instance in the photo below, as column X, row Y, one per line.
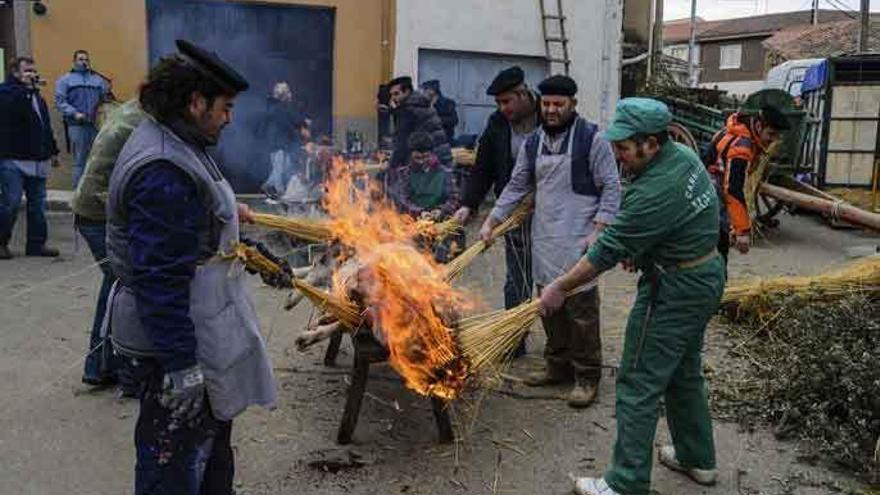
column 864, row 25
column 692, row 48
column 655, row 46
column 814, row 18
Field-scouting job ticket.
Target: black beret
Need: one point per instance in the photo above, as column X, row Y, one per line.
column 506, row 80
column 210, row 65
column 404, row 81
column 432, row 84
column 558, row 85
column 420, row 141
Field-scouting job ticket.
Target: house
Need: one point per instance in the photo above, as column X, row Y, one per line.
column 826, row 40
column 334, row 53
column 732, row 55
column 676, row 45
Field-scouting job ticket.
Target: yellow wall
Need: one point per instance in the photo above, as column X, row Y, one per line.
column 115, row 34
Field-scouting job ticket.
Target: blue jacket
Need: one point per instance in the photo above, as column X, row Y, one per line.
column 80, row 92
column 24, row 135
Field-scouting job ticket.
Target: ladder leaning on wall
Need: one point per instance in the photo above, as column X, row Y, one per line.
column 555, row 40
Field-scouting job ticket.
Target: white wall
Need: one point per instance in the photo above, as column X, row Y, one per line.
column 513, row 27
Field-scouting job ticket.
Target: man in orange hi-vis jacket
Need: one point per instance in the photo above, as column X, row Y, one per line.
column 737, row 148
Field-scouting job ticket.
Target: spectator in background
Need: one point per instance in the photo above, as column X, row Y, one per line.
column 102, row 367
column 78, row 94
column 413, row 113
column 383, row 113
column 281, row 131
column 427, row 189
column 27, row 150
column 444, row 106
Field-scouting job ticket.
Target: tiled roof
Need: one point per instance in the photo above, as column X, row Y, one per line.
column 825, row 40
column 768, row 24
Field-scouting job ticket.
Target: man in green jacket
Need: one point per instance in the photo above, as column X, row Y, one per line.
column 667, row 229
column 90, row 217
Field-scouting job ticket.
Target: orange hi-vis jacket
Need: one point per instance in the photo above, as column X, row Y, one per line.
column 737, row 149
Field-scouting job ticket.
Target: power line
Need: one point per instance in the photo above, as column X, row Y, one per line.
column 836, row 4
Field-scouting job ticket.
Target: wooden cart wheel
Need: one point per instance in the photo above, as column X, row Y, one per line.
column 680, row 134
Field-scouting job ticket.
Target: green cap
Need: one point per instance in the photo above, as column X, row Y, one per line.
column 638, row 116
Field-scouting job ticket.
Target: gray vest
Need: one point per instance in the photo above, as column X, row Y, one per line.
column 229, row 346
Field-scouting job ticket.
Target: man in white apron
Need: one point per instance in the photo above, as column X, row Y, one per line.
column 573, row 173
column 181, row 314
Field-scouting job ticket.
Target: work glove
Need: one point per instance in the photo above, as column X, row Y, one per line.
column 283, row 280
column 183, row 392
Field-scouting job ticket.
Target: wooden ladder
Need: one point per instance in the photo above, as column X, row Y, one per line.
column 555, row 40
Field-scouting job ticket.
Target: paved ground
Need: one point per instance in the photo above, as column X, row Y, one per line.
column 57, row 438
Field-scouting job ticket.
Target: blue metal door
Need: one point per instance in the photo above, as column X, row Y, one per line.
column 267, row 43
column 465, row 76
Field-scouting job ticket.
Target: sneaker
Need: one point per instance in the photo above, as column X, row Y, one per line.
column 545, row 379
column 43, row 252
column 706, row 477
column 582, row 395
column 5, row 253
column 592, row 486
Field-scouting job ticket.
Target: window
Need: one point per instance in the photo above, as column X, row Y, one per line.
column 731, row 57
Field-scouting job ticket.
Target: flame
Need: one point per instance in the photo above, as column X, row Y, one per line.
column 404, row 289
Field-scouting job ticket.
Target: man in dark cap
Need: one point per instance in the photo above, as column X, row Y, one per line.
column 734, row 153
column 517, row 117
column 180, row 312
column 445, row 107
column 572, row 171
column 667, row 228
column 413, row 113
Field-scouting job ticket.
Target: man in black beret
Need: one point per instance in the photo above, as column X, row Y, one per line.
column 516, row 118
column 414, row 112
column 179, row 312
column 572, row 171
column 445, row 107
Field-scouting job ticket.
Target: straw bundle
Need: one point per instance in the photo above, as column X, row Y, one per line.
column 307, row 229
column 456, row 266
column 757, row 177
column 489, row 339
column 253, row 259
column 437, row 231
column 346, row 311
column 757, row 297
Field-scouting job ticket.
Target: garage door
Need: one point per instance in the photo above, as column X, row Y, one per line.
column 465, row 76
column 267, row 43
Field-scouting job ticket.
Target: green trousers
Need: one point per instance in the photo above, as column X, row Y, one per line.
column 669, row 366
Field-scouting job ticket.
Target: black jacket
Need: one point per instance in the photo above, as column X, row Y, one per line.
column 448, row 116
column 416, row 114
column 494, row 162
column 23, row 134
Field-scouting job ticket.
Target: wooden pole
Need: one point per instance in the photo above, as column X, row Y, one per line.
column 840, row 209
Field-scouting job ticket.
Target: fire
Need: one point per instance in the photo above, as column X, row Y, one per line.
column 405, row 290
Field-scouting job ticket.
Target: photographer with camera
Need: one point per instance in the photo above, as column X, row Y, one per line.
column 27, row 151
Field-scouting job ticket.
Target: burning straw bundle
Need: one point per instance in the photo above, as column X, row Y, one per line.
column 346, row 311
column 437, row 231
column 489, row 339
column 757, row 298
column 456, row 266
column 307, row 229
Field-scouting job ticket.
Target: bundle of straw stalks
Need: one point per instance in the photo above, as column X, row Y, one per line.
column 307, row 229
column 437, row 231
column 456, row 266
column 489, row 339
column 758, row 298
column 344, row 310
column 253, row 259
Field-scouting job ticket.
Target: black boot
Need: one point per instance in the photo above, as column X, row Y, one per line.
column 43, row 252
column 5, row 253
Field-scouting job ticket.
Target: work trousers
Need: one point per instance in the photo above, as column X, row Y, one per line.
column 574, row 346
column 14, row 184
column 666, row 365
column 81, row 138
column 176, row 457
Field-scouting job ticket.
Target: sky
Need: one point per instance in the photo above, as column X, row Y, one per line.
column 725, row 9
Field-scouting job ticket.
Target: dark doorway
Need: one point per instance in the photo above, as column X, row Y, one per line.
column 267, row 43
